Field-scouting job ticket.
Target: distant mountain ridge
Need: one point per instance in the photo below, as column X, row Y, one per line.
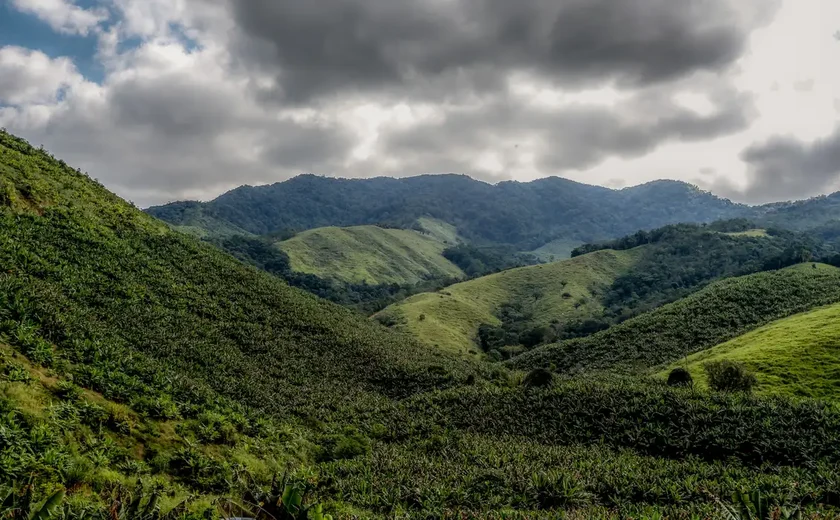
column 527, row 215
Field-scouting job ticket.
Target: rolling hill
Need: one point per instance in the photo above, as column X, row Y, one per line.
column 719, row 312
column 449, row 319
column 798, row 355
column 525, row 215
column 144, row 370
column 370, row 254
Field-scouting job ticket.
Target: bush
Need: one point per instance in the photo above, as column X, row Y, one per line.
column 729, row 376
column 680, row 377
column 538, row 378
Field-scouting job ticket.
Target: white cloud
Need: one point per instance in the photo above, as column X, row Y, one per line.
column 63, row 15
column 32, row 77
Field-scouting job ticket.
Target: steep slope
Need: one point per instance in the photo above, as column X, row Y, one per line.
column 711, row 316
column 449, row 319
column 798, row 355
column 103, row 295
column 369, row 254
column 527, row 215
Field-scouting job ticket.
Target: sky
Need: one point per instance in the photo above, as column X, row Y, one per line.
column 165, row 100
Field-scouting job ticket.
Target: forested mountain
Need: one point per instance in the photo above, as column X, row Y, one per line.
column 602, row 285
column 526, row 215
column 145, row 374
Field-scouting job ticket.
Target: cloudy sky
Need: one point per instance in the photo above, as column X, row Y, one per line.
column 171, row 99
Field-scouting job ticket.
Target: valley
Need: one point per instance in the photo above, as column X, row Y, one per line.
column 194, row 369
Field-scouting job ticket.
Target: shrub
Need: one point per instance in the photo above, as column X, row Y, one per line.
column 729, row 376
column 67, row 390
column 538, row 378
column 680, row 377
column 341, row 447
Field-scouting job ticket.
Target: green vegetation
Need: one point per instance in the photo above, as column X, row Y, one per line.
column 749, row 233
column 480, row 261
column 369, row 254
column 682, row 258
column 524, row 215
column 560, row 292
column 263, row 253
column 145, row 374
column 797, row 356
column 112, row 300
column 556, row 250
column 711, row 316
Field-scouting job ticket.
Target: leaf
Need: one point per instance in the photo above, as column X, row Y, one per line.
column 291, row 499
column 49, row 507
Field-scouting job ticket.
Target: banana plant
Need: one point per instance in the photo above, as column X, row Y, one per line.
column 754, row 506
column 283, row 501
column 17, row 505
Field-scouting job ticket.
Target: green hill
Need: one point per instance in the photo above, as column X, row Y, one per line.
column 449, row 319
column 370, row 254
column 145, row 374
column 799, row 355
column 556, row 250
column 526, row 215
column 711, row 316
column 189, row 339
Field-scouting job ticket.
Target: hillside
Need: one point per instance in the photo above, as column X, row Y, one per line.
column 569, row 290
column 100, row 294
column 525, row 215
column 145, row 374
column 798, row 355
column 711, row 316
column 369, row 254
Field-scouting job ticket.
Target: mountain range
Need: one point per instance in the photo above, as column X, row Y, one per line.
column 526, row 215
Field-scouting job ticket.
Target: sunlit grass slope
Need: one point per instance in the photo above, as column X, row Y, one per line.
column 799, row 355
column 702, row 320
column 750, row 233
column 370, row 254
column 449, row 319
column 556, row 250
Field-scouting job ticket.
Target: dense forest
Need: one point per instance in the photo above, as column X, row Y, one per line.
column 147, row 374
column 524, row 215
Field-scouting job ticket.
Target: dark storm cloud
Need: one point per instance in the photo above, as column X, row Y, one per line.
column 785, row 168
column 427, row 47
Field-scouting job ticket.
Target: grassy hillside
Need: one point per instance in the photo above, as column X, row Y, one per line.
column 559, row 249
column 370, row 254
column 799, row 355
column 100, row 294
column 711, row 316
column 449, row 319
column 142, row 370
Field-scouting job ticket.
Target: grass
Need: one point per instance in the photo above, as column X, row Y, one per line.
column 718, row 313
column 371, row 254
column 556, row 250
column 449, row 319
column 796, row 356
column 749, row 233
column 439, row 230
